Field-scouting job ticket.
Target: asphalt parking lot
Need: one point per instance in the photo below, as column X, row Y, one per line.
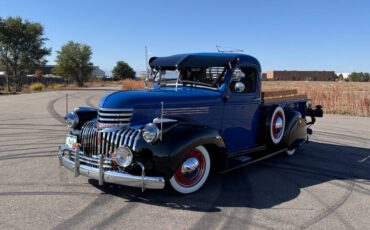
column 325, row 185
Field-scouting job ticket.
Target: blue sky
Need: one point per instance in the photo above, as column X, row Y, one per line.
column 283, row 35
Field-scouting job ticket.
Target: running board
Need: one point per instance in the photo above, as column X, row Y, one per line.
column 251, row 160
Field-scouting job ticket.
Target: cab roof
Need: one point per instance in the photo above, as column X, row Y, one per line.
column 198, row 60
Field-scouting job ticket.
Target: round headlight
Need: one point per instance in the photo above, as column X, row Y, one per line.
column 150, row 133
column 124, row 156
column 72, row 119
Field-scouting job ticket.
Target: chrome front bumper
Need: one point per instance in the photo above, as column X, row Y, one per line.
column 103, row 175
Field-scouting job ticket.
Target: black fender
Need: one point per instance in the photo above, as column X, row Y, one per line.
column 295, row 129
column 85, row 114
column 164, row 156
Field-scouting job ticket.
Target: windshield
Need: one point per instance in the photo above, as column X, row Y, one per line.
column 210, row 76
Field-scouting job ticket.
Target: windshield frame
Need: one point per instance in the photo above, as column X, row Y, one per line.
column 156, row 74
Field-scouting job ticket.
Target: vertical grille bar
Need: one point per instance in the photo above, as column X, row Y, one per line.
column 127, row 137
column 117, row 138
column 109, row 142
column 103, row 144
column 136, row 139
column 133, row 134
column 111, row 147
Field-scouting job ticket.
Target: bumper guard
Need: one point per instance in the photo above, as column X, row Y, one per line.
column 102, row 175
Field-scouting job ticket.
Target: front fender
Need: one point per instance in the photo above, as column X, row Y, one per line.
column 164, row 156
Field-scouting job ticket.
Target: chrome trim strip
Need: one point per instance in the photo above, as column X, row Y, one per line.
column 114, row 119
column 187, row 108
column 93, row 163
column 115, row 110
column 113, row 177
column 110, row 125
column 159, row 120
column 115, row 114
column 96, row 160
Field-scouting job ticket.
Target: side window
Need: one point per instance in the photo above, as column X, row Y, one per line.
column 245, row 75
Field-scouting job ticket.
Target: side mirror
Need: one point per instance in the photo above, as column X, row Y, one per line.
column 239, row 87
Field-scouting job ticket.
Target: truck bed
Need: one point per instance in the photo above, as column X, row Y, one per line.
column 280, row 96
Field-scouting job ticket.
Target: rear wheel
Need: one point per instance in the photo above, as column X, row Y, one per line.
column 290, row 152
column 192, row 172
column 277, row 125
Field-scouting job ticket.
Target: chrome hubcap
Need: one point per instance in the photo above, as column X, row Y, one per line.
column 191, row 170
column 190, row 167
column 278, row 125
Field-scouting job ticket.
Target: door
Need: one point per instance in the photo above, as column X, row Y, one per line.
column 241, row 113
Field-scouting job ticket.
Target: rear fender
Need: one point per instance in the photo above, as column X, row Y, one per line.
column 295, row 129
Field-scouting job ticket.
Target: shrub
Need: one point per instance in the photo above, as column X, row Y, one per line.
column 130, row 84
column 37, row 87
column 57, row 86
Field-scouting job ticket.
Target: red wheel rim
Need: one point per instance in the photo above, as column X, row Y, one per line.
column 189, row 179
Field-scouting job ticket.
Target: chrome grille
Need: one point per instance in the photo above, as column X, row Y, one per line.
column 93, row 161
column 114, row 117
column 109, row 141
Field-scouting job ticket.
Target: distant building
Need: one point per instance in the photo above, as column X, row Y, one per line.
column 264, row 76
column 97, row 73
column 345, row 75
column 47, row 70
column 286, row 75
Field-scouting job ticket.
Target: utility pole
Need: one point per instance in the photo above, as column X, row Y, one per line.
column 146, row 59
column 66, row 103
column 147, row 67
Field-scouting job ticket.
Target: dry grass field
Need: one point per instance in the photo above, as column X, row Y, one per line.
column 350, row 98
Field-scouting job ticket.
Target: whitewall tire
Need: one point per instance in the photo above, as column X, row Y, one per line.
column 290, row 152
column 277, row 125
column 192, row 172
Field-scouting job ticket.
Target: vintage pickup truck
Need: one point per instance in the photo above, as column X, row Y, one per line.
column 205, row 112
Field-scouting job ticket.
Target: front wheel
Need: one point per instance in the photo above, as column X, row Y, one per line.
column 192, row 172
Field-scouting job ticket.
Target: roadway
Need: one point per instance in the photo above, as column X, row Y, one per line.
column 325, row 185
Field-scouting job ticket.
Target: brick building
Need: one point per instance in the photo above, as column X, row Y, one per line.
column 285, row 75
column 264, row 76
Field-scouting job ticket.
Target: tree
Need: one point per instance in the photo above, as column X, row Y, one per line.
column 21, row 47
column 362, row 77
column 73, row 62
column 122, row 70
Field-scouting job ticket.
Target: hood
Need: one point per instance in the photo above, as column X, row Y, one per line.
column 152, row 98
